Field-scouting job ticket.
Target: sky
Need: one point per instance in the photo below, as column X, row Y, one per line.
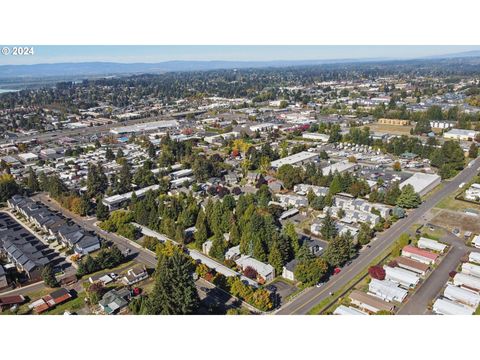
column 154, row 53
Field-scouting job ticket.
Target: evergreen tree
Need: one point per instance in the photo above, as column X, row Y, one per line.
column 174, row 292
column 336, row 184
column 124, row 178
column 109, row 155
column 340, row 250
column 275, row 258
column 152, row 152
column 48, row 276
column 234, row 234
column 408, row 199
column 328, row 230
column 102, row 210
column 473, row 151
column 201, row 229
column 32, row 181
column 218, row 248
column 292, row 236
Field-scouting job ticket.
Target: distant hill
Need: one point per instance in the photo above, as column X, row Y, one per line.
column 113, row 68
column 81, row 70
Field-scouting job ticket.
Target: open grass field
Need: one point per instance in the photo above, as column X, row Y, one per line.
column 451, row 219
column 391, row 129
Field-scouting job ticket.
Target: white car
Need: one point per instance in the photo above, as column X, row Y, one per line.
column 319, row 285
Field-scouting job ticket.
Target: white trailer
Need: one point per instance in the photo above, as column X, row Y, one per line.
column 471, row 269
column 448, row 307
column 468, row 282
column 425, row 243
column 461, row 295
column 474, row 257
column 347, row 310
column 387, row 290
column 401, row 276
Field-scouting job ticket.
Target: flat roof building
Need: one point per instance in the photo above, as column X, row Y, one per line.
column 422, row 183
column 147, row 127
column 300, row 158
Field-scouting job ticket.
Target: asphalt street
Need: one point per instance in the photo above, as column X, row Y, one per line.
column 305, row 302
column 47, row 136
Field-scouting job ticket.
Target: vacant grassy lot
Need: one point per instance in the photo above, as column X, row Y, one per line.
column 450, row 220
column 391, row 129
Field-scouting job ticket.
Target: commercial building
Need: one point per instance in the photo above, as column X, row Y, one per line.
column 339, row 167
column 448, row 307
column 144, row 128
column 300, row 158
column 460, row 134
column 422, row 183
column 218, row 139
column 316, row 137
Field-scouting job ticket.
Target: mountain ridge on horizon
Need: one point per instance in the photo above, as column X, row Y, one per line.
column 109, row 68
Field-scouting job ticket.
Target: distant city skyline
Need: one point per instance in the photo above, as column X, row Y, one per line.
column 161, row 53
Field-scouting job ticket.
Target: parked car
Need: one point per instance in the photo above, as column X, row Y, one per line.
column 336, row 270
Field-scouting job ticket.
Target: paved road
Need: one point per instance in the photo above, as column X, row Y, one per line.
column 418, row 303
column 94, row 129
column 304, row 303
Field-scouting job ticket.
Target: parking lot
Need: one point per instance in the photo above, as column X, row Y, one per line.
column 283, row 290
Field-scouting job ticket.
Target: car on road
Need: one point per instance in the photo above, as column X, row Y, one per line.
column 336, row 270
column 320, row 284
